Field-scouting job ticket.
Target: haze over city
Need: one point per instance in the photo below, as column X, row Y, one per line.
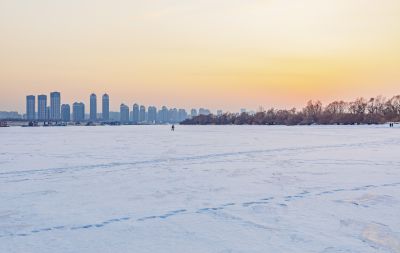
column 189, row 54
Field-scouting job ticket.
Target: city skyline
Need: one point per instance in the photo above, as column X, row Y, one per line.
column 222, row 55
column 59, row 111
column 99, row 109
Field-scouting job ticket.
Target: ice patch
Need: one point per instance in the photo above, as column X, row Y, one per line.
column 382, row 236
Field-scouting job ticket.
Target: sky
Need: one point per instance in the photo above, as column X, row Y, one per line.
column 219, row 54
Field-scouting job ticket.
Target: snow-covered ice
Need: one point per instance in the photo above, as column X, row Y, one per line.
column 200, row 189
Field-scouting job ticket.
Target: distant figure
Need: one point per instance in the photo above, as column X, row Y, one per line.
column 173, row 128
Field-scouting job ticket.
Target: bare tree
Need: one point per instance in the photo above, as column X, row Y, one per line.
column 361, row 111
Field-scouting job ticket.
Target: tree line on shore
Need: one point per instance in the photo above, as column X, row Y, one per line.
column 378, row 110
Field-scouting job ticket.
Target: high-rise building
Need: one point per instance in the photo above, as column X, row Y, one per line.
column 152, row 115
column 124, row 113
column 182, row 115
column 106, row 107
column 78, row 112
column 130, row 115
column 135, row 113
column 142, row 114
column 172, row 115
column 42, row 107
column 159, row 116
column 193, row 113
column 163, row 115
column 30, row 107
column 55, row 106
column 93, row 107
column 65, row 113
column 203, row 111
column 169, row 115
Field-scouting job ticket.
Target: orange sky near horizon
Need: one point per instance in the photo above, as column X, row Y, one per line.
column 226, row 54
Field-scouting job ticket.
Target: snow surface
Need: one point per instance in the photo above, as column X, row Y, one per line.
column 200, row 189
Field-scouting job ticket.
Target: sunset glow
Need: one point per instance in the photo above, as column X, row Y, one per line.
column 217, row 54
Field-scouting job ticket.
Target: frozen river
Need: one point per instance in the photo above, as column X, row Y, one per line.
column 200, row 189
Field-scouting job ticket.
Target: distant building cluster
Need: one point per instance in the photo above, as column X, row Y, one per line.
column 45, row 112
column 55, row 111
column 10, row 115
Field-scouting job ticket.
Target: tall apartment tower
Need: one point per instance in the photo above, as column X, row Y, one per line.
column 182, row 115
column 106, row 107
column 135, row 113
column 124, row 113
column 65, row 113
column 78, row 112
column 163, row 115
column 152, row 115
column 173, row 115
column 30, row 107
column 55, row 106
column 193, row 113
column 203, row 111
column 142, row 114
column 93, row 107
column 42, row 107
